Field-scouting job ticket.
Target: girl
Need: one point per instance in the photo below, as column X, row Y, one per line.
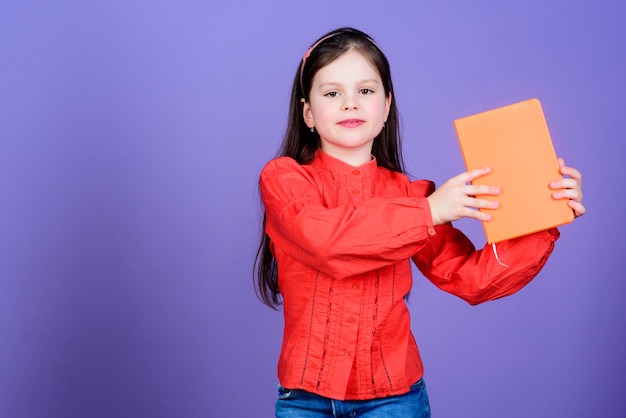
column 342, row 222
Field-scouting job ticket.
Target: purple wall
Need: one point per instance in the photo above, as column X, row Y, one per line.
column 131, row 137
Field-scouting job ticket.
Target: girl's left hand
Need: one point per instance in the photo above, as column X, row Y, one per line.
column 569, row 187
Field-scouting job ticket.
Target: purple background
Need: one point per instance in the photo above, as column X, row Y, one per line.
column 131, row 137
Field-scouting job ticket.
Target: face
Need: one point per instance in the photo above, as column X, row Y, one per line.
column 347, row 107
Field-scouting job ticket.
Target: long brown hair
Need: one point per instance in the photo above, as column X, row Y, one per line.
column 301, row 144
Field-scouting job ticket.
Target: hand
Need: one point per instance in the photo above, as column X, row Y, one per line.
column 569, row 187
column 455, row 198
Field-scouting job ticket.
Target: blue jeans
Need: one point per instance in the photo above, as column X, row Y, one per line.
column 295, row 403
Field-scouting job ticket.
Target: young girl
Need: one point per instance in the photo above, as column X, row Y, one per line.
column 342, row 223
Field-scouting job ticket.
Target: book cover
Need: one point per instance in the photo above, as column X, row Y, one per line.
column 515, row 143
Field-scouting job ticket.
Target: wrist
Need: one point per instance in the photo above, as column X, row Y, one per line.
column 433, row 215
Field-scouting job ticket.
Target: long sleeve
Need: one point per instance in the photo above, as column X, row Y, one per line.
column 345, row 239
column 342, row 238
column 451, row 262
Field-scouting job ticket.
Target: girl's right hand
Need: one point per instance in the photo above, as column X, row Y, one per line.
column 455, row 198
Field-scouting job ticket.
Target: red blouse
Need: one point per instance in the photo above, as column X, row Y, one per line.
column 343, row 238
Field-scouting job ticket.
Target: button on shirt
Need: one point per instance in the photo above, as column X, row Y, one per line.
column 343, row 238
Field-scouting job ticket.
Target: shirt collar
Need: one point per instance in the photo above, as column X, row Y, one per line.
column 337, row 166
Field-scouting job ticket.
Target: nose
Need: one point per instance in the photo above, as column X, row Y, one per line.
column 349, row 102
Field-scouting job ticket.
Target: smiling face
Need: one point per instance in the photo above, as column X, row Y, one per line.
column 348, row 107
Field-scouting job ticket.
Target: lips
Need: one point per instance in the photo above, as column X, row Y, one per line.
column 351, row 123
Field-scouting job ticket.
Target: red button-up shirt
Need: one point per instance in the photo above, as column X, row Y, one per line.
column 343, row 238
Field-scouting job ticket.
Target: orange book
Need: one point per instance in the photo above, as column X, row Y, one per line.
column 515, row 143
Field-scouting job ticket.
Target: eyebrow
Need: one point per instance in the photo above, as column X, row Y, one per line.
column 364, row 81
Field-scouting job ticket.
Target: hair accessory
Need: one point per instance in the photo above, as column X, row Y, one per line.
column 307, row 53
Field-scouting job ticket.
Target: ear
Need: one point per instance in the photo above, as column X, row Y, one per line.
column 307, row 114
column 388, row 100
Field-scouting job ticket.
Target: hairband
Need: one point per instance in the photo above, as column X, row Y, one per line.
column 316, row 44
column 308, row 52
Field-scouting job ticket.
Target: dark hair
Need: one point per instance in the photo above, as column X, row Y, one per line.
column 301, row 144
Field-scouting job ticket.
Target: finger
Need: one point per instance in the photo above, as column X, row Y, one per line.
column 476, row 214
column 468, row 176
column 479, row 172
column 577, row 207
column 572, row 194
column 572, row 172
column 474, row 190
column 565, row 183
column 569, row 171
column 483, row 203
